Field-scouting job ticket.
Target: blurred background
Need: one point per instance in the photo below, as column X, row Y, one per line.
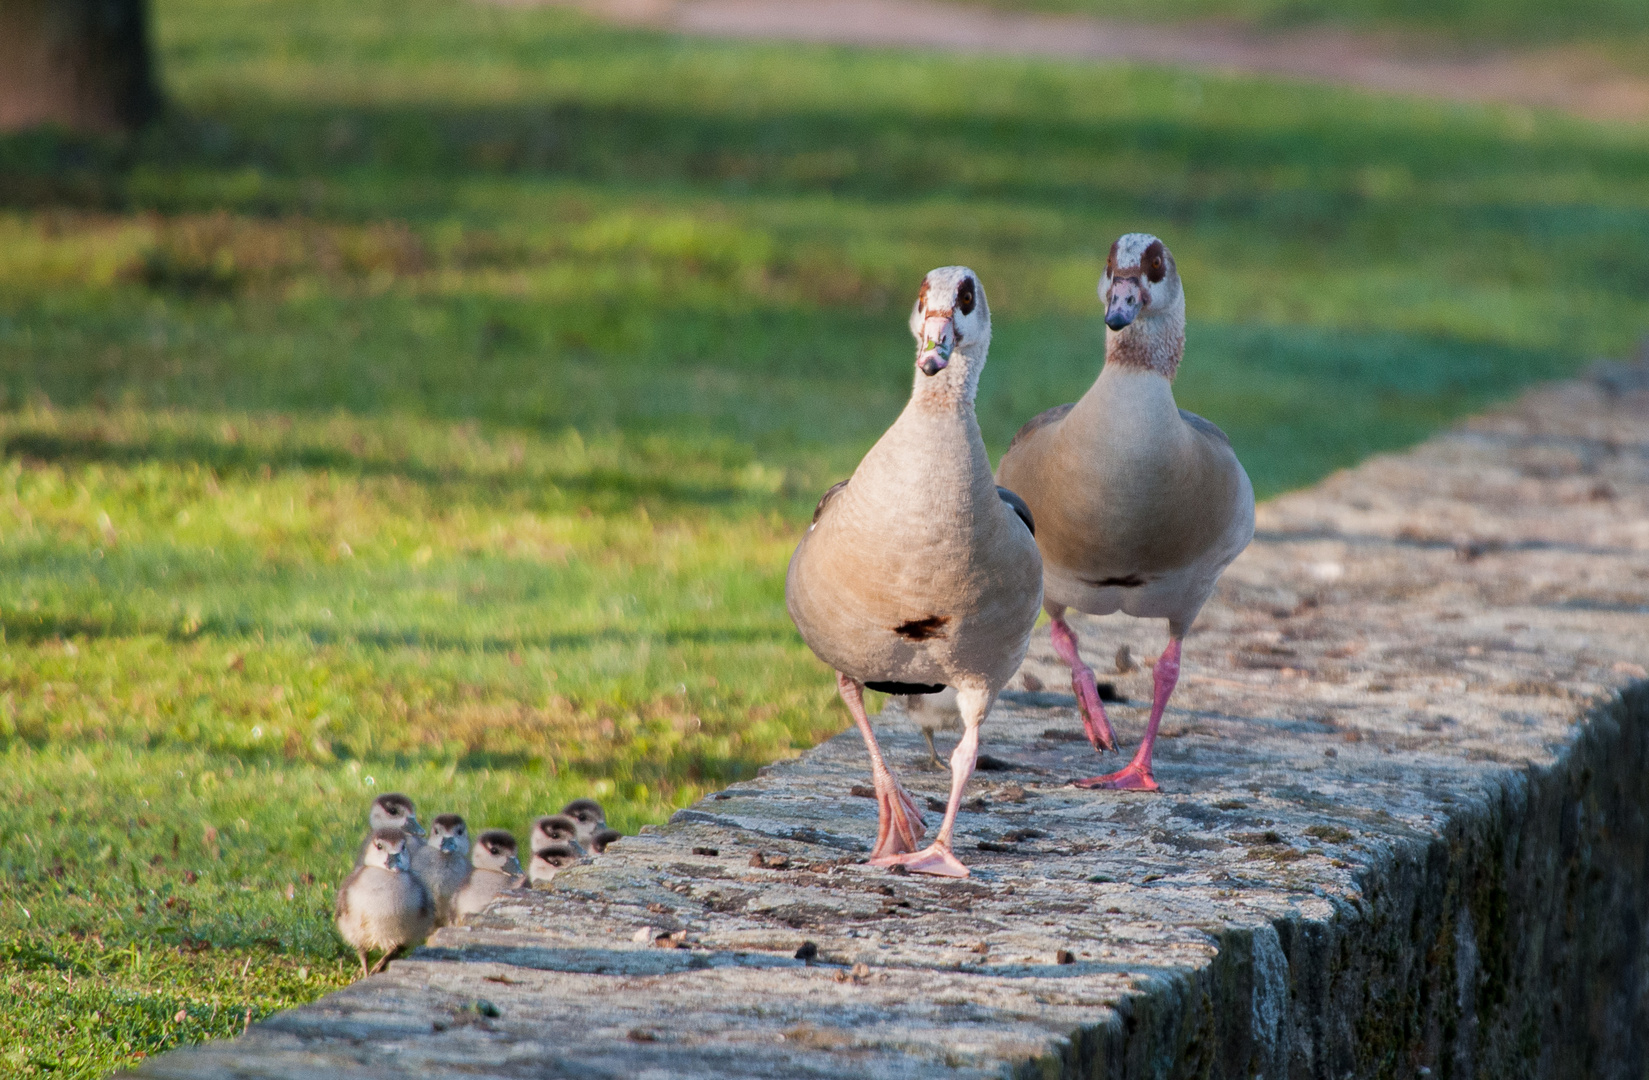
column 427, row 394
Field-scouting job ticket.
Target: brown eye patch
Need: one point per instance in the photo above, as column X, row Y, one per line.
column 964, row 296
column 1111, row 261
column 922, row 295
column 1154, row 263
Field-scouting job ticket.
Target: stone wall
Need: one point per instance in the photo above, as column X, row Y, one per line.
column 1403, row 833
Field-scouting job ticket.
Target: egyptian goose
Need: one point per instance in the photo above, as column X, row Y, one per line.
column 551, row 859
column 554, row 829
column 382, row 905
column 1140, row 505
column 590, row 818
column 443, row 864
column 392, row 811
column 494, row 867
column 917, row 573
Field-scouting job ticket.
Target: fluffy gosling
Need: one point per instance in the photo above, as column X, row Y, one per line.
column 554, row 829
column 590, row 817
column 391, row 811
column 494, row 868
column 382, row 905
column 443, row 864
column 550, row 860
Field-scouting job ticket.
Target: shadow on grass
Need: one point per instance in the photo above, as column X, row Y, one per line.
column 228, row 459
column 23, row 628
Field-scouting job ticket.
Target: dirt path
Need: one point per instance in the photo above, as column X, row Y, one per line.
column 1571, row 79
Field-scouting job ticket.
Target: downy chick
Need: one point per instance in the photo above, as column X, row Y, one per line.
column 381, row 905
column 550, row 860
column 590, row 818
column 494, row 868
column 443, row 864
column 554, row 829
column 392, row 811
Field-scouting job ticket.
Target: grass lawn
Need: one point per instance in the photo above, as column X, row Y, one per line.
column 1469, row 22
column 433, row 400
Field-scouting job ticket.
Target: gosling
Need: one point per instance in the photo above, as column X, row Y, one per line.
column 382, row 905
column 392, row 811
column 443, row 864
column 590, row 817
column 554, row 829
column 494, row 868
column 550, row 860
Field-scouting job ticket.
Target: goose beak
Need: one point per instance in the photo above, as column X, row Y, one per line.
column 512, row 865
column 938, row 341
column 413, row 827
column 1122, row 302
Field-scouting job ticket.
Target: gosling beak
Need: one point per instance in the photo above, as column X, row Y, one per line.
column 397, row 860
column 1122, row 302
column 412, row 826
column 449, row 843
column 938, row 342
column 512, row 865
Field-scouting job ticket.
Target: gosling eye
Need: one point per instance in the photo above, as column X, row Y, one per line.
column 964, row 296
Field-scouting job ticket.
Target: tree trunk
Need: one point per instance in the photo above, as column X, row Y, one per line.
column 82, row 64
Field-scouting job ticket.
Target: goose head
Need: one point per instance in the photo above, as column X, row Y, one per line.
column 1144, row 305
column 495, row 850
column 952, row 326
column 1141, row 281
column 387, row 850
column 449, row 833
column 589, row 815
column 553, row 829
column 394, row 811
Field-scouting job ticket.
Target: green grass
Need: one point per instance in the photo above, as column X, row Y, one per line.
column 431, row 402
column 1517, row 22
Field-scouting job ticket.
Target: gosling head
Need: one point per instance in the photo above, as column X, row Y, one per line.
column 394, row 811
column 589, row 815
column 603, row 837
column 550, row 860
column 449, row 833
column 495, row 850
column 387, row 850
column 553, row 829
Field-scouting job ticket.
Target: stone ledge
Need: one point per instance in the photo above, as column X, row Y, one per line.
column 1405, row 827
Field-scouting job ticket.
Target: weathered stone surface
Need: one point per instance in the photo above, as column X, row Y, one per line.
column 1405, row 827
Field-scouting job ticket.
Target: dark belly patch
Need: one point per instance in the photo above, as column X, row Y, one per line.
column 904, row 687
column 922, row 629
column 1128, row 581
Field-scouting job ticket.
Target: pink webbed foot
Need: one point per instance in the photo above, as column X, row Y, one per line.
column 1132, row 778
column 899, row 825
column 933, row 859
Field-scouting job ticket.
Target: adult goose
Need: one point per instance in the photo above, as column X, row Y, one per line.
column 917, row 573
column 1140, row 505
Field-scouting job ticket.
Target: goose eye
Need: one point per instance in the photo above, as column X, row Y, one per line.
column 964, row 297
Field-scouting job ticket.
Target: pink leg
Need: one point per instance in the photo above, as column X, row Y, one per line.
column 1094, row 720
column 898, row 821
column 1136, row 775
column 937, row 858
